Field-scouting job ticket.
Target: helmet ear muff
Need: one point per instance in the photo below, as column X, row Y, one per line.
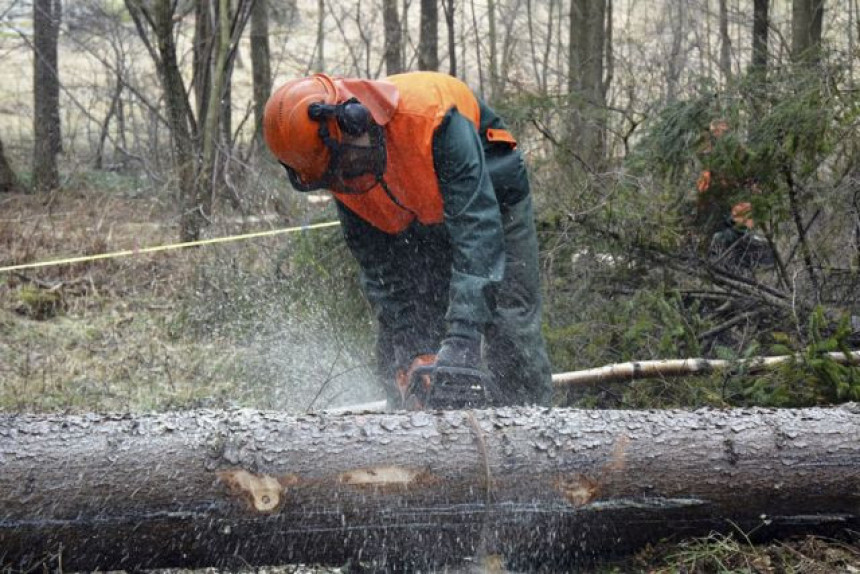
column 351, row 116
column 354, row 118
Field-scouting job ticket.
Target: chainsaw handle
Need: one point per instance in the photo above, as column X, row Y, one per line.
column 421, row 370
column 417, row 375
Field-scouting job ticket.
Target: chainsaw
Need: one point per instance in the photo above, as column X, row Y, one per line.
column 442, row 387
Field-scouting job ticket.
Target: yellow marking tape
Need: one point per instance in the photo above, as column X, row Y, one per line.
column 169, row 247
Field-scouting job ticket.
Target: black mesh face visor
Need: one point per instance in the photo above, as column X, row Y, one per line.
column 359, row 168
column 352, row 169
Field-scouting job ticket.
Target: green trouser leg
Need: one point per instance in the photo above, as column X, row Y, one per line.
column 514, row 348
column 421, row 258
column 513, row 343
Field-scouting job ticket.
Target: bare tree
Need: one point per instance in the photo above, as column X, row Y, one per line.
column 676, row 12
column 180, row 117
column 511, row 38
column 115, row 110
column 725, row 43
column 428, row 42
column 320, row 49
column 8, row 180
column 492, row 56
column 46, row 94
column 806, row 25
column 536, row 69
column 393, row 43
column 449, row 8
column 356, row 27
column 206, row 35
column 204, row 189
column 852, row 21
column 260, row 65
column 203, row 43
column 587, row 49
column 196, row 140
column 761, row 21
column 478, row 58
column 405, row 36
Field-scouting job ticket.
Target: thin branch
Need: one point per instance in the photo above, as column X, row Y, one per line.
column 682, row 367
column 726, row 325
column 794, row 204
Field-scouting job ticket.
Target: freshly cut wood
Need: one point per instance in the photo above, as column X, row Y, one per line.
column 537, row 488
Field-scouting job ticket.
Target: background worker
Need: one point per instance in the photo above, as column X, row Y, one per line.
column 717, row 188
column 435, row 205
column 725, row 222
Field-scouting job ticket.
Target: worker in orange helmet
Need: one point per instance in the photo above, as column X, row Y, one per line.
column 435, row 205
column 708, row 187
column 727, row 222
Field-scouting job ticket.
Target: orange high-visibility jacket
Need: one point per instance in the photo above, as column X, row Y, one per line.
column 410, row 175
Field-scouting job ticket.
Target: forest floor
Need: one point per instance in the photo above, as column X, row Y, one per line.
column 156, row 331
column 174, row 330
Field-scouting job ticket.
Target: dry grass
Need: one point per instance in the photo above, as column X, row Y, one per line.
column 155, row 331
column 71, row 334
column 723, row 554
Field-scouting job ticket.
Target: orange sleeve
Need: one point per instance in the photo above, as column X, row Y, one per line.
column 704, row 181
column 497, row 135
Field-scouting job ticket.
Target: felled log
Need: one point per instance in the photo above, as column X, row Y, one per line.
column 537, row 488
column 683, row 367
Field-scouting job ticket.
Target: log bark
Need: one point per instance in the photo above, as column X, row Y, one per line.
column 543, row 488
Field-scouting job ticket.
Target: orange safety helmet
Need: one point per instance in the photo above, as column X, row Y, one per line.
column 291, row 134
column 298, row 128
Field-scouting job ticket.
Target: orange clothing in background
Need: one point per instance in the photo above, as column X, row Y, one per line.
column 740, row 211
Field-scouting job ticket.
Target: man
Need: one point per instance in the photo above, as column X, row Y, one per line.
column 435, row 206
column 727, row 223
column 713, row 191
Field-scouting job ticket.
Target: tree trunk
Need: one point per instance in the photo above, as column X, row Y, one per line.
column 428, row 41
column 46, row 95
column 393, row 45
column 761, row 21
column 225, row 126
column 450, row 12
column 543, row 488
column 113, row 110
column 492, row 50
column 179, row 115
column 725, row 43
column 676, row 61
column 320, row 48
column 204, row 38
column 260, row 66
column 806, row 26
column 476, row 30
column 212, row 135
column 587, row 46
column 8, row 179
